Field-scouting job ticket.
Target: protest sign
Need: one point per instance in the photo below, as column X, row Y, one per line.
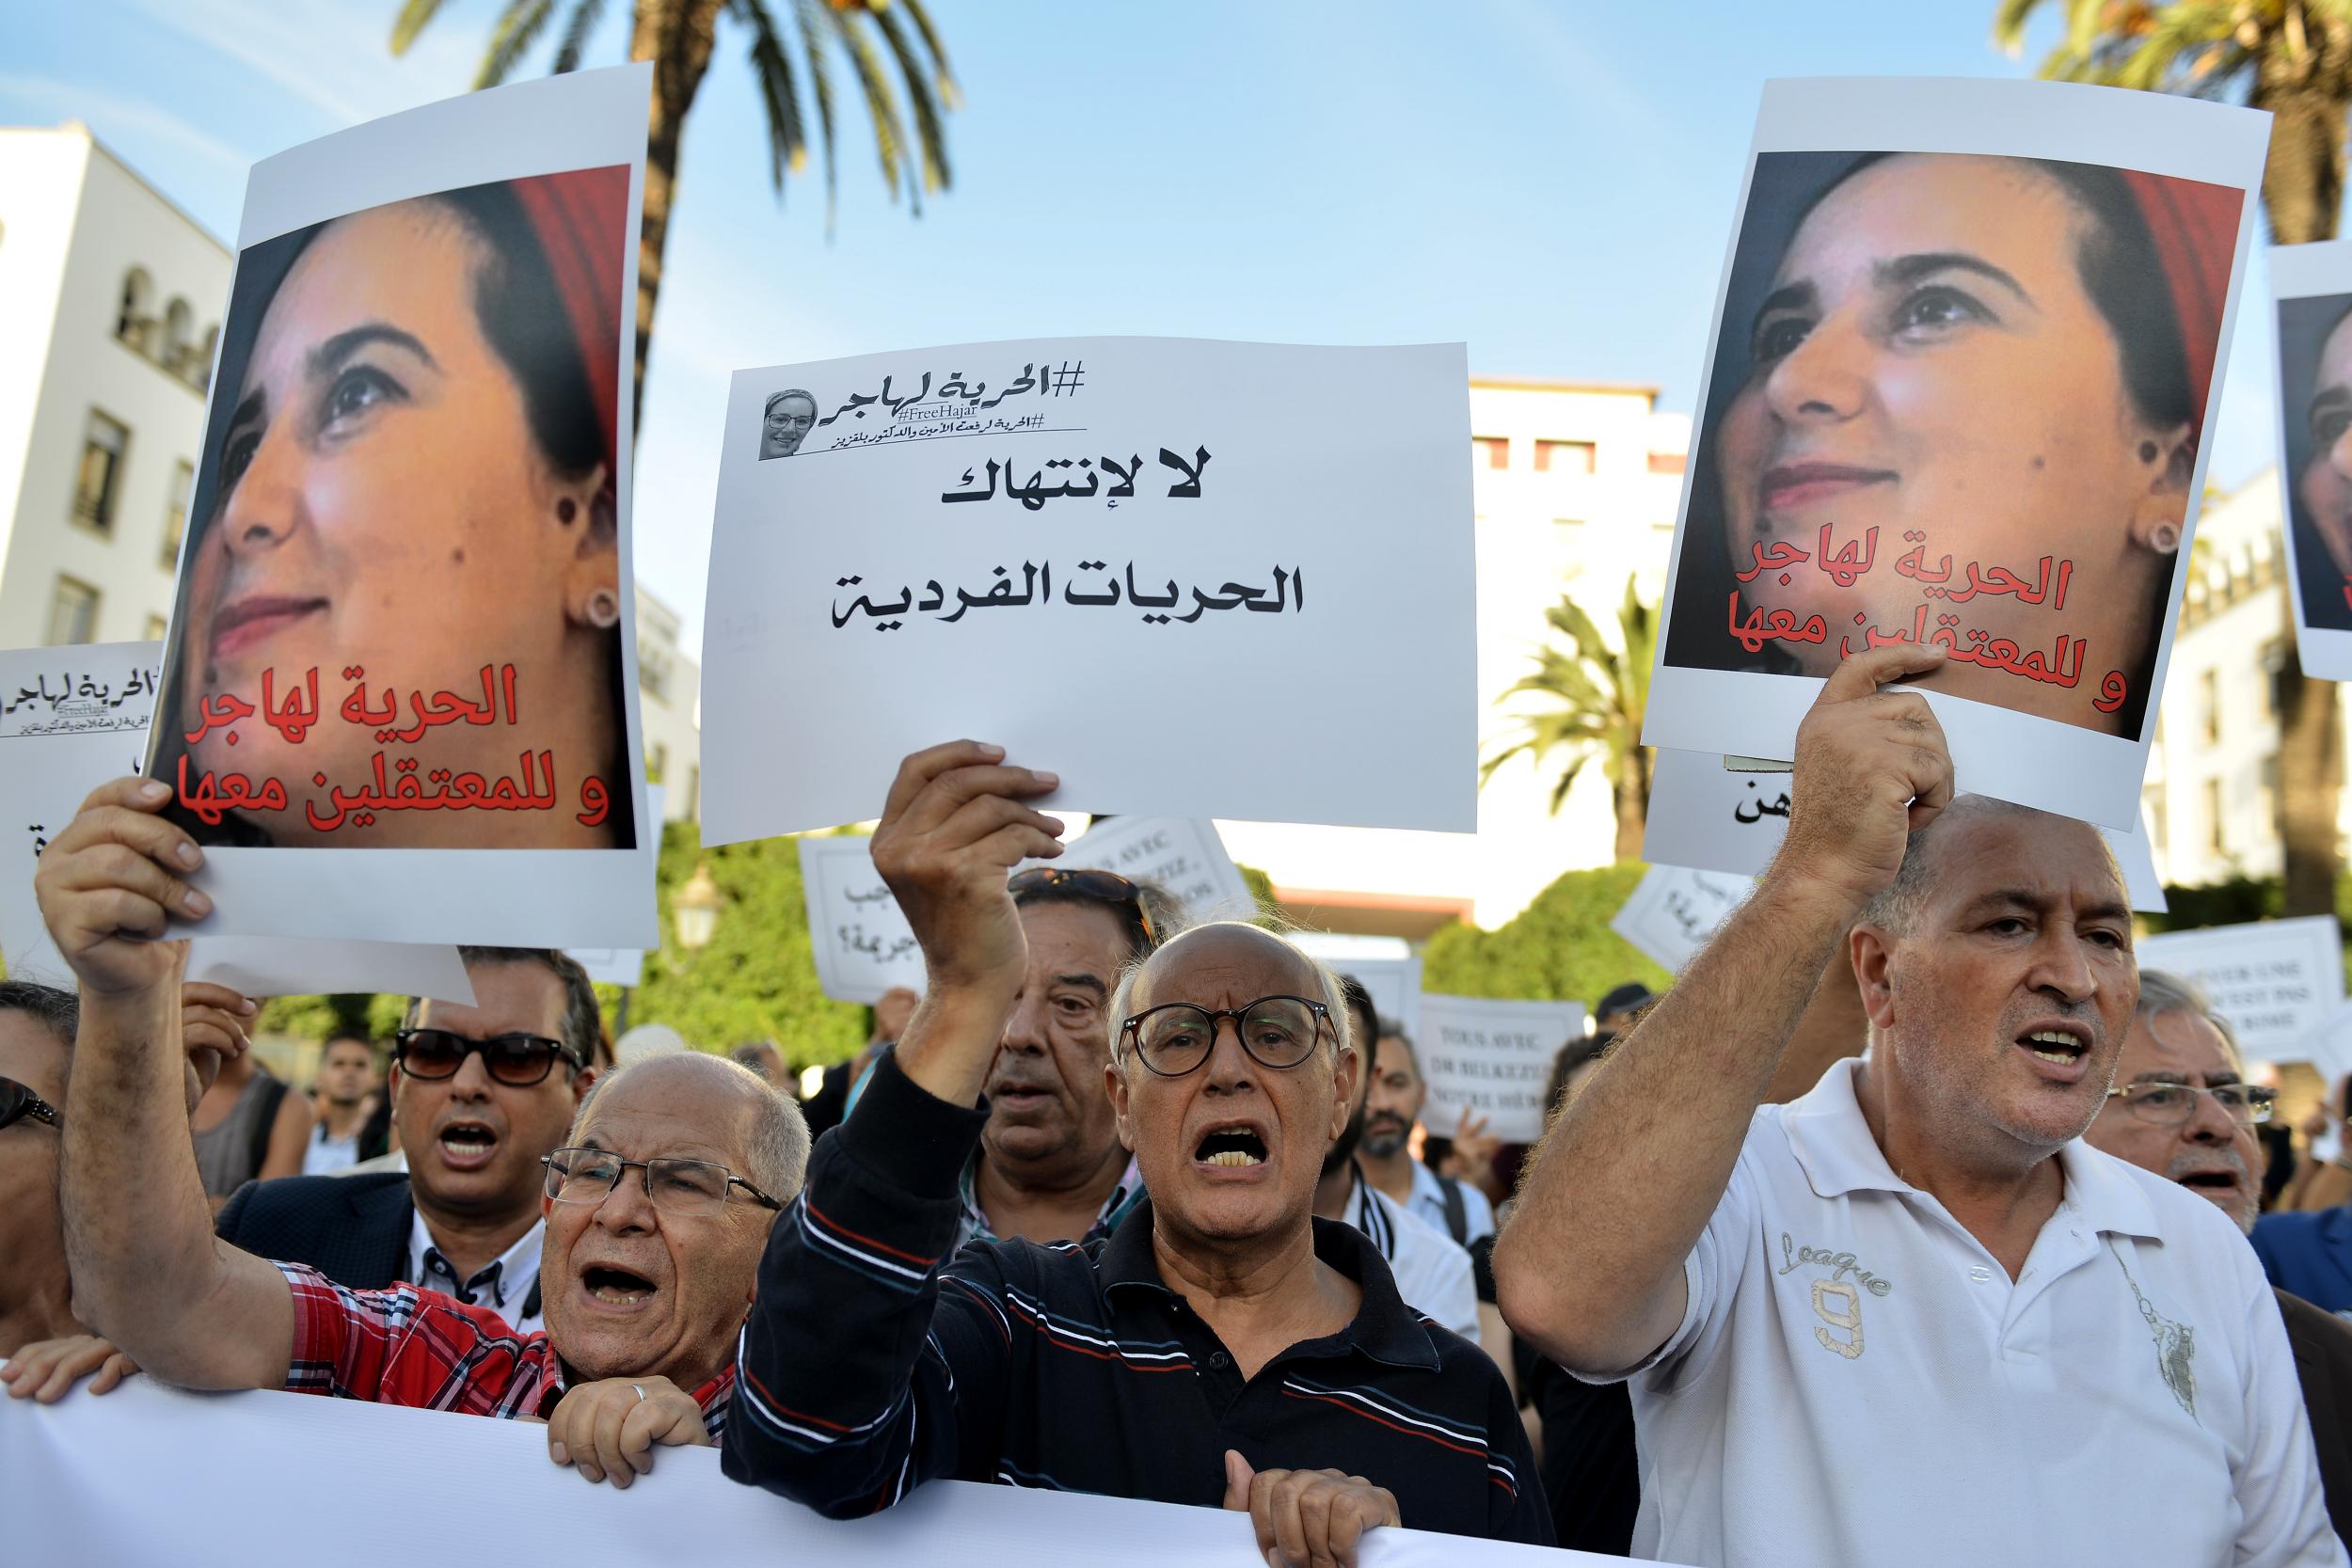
column 1385, row 966
column 1712, row 817
column 71, row 720
column 1181, row 856
column 626, row 966
column 2000, row 453
column 863, row 942
column 402, row 710
column 104, row 1482
column 1492, row 1060
column 2330, row 1046
column 1675, row 911
column 2275, row 980
column 1050, row 544
column 2311, row 289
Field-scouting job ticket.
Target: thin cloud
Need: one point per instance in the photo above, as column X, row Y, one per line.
column 115, row 118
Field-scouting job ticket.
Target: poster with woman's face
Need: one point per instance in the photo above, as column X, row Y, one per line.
column 400, row 672
column 1965, row 355
column 2311, row 290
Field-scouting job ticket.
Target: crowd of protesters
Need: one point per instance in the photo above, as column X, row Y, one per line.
column 1888, row 1233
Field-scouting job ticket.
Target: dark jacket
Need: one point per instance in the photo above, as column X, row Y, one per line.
column 352, row 1228
column 2322, row 1344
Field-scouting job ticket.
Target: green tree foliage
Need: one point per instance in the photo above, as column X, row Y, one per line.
column 1558, row 949
column 1596, row 695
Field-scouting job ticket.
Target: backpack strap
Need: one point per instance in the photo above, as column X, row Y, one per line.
column 273, row 1095
column 1456, row 1212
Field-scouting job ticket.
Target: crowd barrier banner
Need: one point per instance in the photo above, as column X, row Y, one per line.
column 1710, row 817
column 147, row 1475
column 393, row 724
column 862, row 943
column 1491, row 1059
column 1155, row 566
column 1675, row 911
column 74, row 718
column 2276, row 981
column 1890, row 451
column 2311, row 289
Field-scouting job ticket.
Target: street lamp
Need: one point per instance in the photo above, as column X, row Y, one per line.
column 695, row 909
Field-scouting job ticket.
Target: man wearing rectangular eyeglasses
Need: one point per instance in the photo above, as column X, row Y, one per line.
column 2181, row 1108
column 658, row 1204
column 479, row 1094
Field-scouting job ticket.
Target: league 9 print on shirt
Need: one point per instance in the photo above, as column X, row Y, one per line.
column 1957, row 396
column 400, row 617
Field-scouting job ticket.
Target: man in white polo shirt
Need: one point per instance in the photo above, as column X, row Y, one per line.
column 1910, row 1317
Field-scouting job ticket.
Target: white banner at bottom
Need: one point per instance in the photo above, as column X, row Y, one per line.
column 123, row 1479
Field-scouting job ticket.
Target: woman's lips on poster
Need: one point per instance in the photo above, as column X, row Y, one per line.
column 1796, row 486
column 256, row 618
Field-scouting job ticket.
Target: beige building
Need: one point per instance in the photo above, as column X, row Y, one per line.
column 110, row 301
column 1575, row 489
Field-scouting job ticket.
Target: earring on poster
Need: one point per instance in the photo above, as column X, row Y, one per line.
column 603, row 610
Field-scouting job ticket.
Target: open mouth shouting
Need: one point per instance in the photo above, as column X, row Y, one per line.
column 467, row 1144
column 615, row 1287
column 1234, row 1147
column 2060, row 1049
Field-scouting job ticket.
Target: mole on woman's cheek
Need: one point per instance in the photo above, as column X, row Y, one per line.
column 457, row 558
column 2039, row 463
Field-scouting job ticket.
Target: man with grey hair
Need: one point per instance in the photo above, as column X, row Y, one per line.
column 786, row 421
column 1221, row 1346
column 1910, row 1317
column 2182, row 1107
column 658, row 1203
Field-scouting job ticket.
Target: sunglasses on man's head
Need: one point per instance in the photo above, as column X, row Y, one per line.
column 516, row 1060
column 19, row 1103
column 1106, row 887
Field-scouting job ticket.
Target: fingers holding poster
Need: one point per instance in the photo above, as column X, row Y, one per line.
column 2311, row 285
column 403, row 623
column 1967, row 350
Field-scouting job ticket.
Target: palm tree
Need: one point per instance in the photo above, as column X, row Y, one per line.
column 1598, row 695
column 2293, row 57
column 679, row 37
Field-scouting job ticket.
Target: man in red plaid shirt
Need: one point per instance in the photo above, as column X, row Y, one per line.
column 656, row 1209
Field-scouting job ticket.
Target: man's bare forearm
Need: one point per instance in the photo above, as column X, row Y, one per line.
column 148, row 1272
column 1589, row 1266
column 951, row 1041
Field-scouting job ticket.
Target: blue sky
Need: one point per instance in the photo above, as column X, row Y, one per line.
column 1550, row 182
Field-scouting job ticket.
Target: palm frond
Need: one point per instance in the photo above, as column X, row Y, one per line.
column 817, row 27
column 788, row 145
column 585, row 15
column 2009, row 24
column 944, row 78
column 882, row 107
column 413, row 15
column 518, row 27
column 930, row 134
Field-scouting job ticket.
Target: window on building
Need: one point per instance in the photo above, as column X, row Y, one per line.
column 176, row 513
column 179, row 327
column 2157, row 825
column 73, row 612
column 657, row 762
column 2209, row 704
column 156, row 626
column 2216, row 840
column 2270, row 792
column 2274, row 664
column 652, row 671
column 693, row 790
column 131, row 319
column 1564, row 457
column 1668, row 462
column 96, row 487
column 1493, row 452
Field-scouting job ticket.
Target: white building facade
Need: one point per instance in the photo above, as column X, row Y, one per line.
column 110, row 299
column 1575, row 489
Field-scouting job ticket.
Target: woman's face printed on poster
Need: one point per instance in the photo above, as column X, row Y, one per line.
column 1937, row 434
column 2323, row 476
column 414, row 485
column 791, row 415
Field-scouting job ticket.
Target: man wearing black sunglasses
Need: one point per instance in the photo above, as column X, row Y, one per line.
column 1221, row 1346
column 479, row 1094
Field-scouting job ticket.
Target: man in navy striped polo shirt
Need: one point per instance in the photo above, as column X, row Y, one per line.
column 1222, row 1346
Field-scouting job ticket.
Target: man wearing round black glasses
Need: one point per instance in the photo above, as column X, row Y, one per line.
column 1221, row 1346
column 479, row 1094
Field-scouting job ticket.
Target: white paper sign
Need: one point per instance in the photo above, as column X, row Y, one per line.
column 626, row 966
column 418, row 732
column 1491, row 1059
column 1709, row 817
column 71, row 720
column 948, row 526
column 1947, row 480
column 2331, row 1046
column 863, row 942
column 1182, row 855
column 2311, row 289
column 1675, row 911
column 2276, row 981
column 105, row 1482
